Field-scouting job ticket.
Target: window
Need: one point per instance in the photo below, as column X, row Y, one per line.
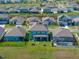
column 38, row 32
column 42, row 32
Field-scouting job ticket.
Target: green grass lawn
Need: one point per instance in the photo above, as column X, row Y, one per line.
column 19, row 4
column 9, row 26
column 44, row 14
column 38, row 51
column 53, row 26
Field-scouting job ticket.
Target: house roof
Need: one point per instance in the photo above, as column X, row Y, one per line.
column 33, row 19
column 64, row 17
column 34, row 9
column 16, row 31
column 55, row 9
column 76, row 20
column 63, row 9
column 48, row 19
column 72, row 4
column 2, row 10
column 18, row 19
column 38, row 27
column 62, row 32
column 2, row 17
column 12, row 10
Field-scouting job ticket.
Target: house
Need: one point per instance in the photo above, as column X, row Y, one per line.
column 63, row 10
column 15, row 34
column 4, row 19
column 24, row 10
column 64, row 20
column 17, row 20
column 38, row 32
column 5, row 1
column 75, row 21
column 62, row 37
column 50, row 9
column 74, row 5
column 2, row 1
column 3, row 11
column 47, row 10
column 17, row 1
column 34, row 10
column 54, row 10
column 32, row 20
column 2, row 32
column 48, row 20
column 70, row 9
column 13, row 10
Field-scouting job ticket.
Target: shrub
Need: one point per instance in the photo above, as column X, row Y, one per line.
column 77, row 1
column 44, row 45
column 27, row 36
column 33, row 44
column 50, row 35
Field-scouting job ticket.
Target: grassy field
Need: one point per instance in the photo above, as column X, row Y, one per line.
column 53, row 26
column 42, row 15
column 38, row 51
column 19, row 4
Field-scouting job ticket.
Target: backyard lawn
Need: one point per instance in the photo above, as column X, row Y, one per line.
column 42, row 50
column 53, row 26
column 40, row 15
column 19, row 4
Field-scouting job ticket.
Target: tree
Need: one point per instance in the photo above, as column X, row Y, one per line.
column 50, row 35
column 26, row 37
column 77, row 1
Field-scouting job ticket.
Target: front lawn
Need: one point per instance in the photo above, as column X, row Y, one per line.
column 36, row 50
column 9, row 26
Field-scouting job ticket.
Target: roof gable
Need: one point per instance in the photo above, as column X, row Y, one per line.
column 18, row 19
column 62, row 32
column 33, row 19
column 17, row 31
column 38, row 27
column 48, row 19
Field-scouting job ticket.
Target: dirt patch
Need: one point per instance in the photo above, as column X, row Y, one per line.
column 65, row 55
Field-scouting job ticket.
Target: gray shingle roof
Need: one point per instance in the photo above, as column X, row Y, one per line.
column 4, row 16
column 33, row 19
column 16, row 31
column 34, row 9
column 38, row 27
column 48, row 18
column 12, row 10
column 18, row 19
column 62, row 32
column 3, row 10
